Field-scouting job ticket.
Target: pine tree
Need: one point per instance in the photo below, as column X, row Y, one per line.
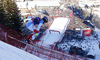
column 11, row 15
column 1, row 11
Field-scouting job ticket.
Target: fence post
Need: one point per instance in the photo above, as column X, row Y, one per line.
column 5, row 36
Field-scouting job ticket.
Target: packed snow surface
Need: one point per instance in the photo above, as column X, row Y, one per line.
column 8, row 52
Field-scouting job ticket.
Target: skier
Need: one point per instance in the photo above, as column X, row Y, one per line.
column 37, row 23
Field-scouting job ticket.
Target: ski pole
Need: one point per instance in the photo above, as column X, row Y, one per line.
column 12, row 9
column 30, row 14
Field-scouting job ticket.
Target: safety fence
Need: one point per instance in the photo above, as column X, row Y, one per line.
column 16, row 38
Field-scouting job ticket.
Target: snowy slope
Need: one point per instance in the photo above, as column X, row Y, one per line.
column 8, row 52
column 54, row 33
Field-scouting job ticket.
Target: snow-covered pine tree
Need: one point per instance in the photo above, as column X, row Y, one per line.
column 11, row 15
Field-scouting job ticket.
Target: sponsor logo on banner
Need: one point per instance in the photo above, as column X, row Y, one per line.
column 86, row 32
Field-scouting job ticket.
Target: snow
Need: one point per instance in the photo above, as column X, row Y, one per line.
column 47, row 3
column 54, row 33
column 98, row 33
column 89, row 43
column 8, row 52
column 51, row 38
column 33, row 4
column 61, row 22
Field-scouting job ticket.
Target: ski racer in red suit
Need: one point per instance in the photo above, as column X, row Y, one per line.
column 39, row 22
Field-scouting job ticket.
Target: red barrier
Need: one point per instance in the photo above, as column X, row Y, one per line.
column 99, row 45
column 54, row 31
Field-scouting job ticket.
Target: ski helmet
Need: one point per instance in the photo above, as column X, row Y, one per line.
column 45, row 19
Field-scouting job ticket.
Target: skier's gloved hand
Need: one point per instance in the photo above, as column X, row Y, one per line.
column 36, row 34
column 36, row 31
